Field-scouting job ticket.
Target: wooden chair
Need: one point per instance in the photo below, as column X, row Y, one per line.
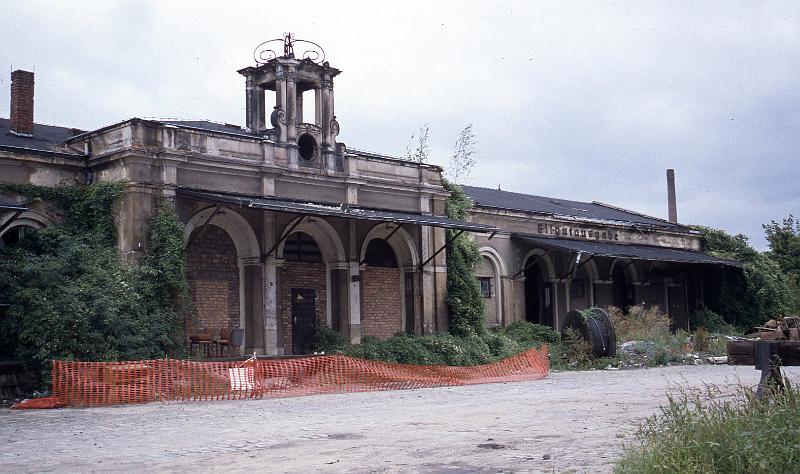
column 202, row 340
column 234, row 342
column 222, row 340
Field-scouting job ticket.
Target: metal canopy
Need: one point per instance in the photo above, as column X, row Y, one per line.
column 332, row 210
column 636, row 252
column 11, row 206
column 8, row 204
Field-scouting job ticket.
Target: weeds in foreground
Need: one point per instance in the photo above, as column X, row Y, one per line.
column 703, row 431
column 641, row 324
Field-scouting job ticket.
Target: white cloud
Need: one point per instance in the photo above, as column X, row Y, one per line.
column 583, row 100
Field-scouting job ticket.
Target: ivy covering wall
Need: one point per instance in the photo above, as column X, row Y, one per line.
column 71, row 296
column 464, row 299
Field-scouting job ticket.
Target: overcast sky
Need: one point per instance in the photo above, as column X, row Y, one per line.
column 584, row 101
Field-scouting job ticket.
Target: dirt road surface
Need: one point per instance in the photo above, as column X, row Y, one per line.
column 571, row 421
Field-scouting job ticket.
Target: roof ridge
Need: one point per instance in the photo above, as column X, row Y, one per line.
column 48, row 125
column 549, row 198
column 622, row 209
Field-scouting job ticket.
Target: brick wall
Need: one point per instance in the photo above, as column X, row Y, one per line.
column 213, row 274
column 301, row 275
column 381, row 307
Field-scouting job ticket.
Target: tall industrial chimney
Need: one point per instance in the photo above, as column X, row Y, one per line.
column 672, row 207
column 22, row 103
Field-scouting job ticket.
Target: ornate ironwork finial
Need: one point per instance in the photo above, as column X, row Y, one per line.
column 288, row 46
column 266, row 51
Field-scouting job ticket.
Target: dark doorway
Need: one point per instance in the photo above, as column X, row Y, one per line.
column 677, row 305
column 621, row 289
column 538, row 298
column 409, row 297
column 304, row 319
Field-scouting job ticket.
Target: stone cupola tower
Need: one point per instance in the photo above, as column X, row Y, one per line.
column 276, row 88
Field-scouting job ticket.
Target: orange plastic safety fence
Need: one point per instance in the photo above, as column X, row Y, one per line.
column 110, row 383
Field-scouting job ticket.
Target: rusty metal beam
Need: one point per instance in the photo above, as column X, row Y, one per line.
column 200, row 230
column 534, row 262
column 448, row 242
column 10, row 220
column 283, row 237
column 385, row 239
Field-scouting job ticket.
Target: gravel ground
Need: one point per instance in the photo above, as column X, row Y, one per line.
column 571, row 421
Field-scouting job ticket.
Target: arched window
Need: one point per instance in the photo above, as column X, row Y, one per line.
column 301, row 247
column 13, row 235
column 380, row 254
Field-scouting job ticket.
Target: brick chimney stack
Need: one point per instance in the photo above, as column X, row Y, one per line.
column 22, row 103
column 672, row 207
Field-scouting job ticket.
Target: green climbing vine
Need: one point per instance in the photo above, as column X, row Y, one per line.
column 70, row 295
column 464, row 299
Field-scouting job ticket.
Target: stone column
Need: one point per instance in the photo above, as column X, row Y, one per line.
column 298, row 107
column 440, row 277
column 251, row 304
column 291, row 107
column 169, row 180
column 270, row 281
column 135, row 211
column 427, row 289
column 318, row 115
column 354, row 287
column 509, row 296
column 280, row 102
column 254, row 105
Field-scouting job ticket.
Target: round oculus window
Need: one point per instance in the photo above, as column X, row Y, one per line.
column 307, row 147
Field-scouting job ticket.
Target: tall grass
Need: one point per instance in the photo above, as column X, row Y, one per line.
column 706, row 432
column 641, row 324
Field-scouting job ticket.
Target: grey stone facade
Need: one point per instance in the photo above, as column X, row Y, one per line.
column 276, row 260
column 157, row 159
column 553, row 256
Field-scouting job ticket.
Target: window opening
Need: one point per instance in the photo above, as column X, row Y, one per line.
column 486, row 286
column 307, row 147
column 301, row 247
column 380, row 254
column 309, row 107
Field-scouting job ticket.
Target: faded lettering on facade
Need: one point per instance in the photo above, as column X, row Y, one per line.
column 577, row 232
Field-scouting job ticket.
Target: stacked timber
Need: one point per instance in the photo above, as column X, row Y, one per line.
column 783, row 334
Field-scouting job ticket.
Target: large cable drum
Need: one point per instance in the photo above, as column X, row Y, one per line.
column 595, row 327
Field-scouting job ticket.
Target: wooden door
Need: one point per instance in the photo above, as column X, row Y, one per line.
column 304, row 319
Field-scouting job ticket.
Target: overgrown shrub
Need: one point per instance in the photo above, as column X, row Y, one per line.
column 711, row 321
column 784, row 248
column 71, row 296
column 529, row 334
column 699, row 432
column 435, row 349
column 753, row 296
column 325, row 339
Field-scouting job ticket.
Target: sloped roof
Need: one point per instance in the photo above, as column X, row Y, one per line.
column 313, row 208
column 47, row 138
column 590, row 211
column 8, row 204
column 632, row 251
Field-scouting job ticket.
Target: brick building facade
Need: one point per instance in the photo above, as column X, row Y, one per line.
column 279, row 215
column 288, row 229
